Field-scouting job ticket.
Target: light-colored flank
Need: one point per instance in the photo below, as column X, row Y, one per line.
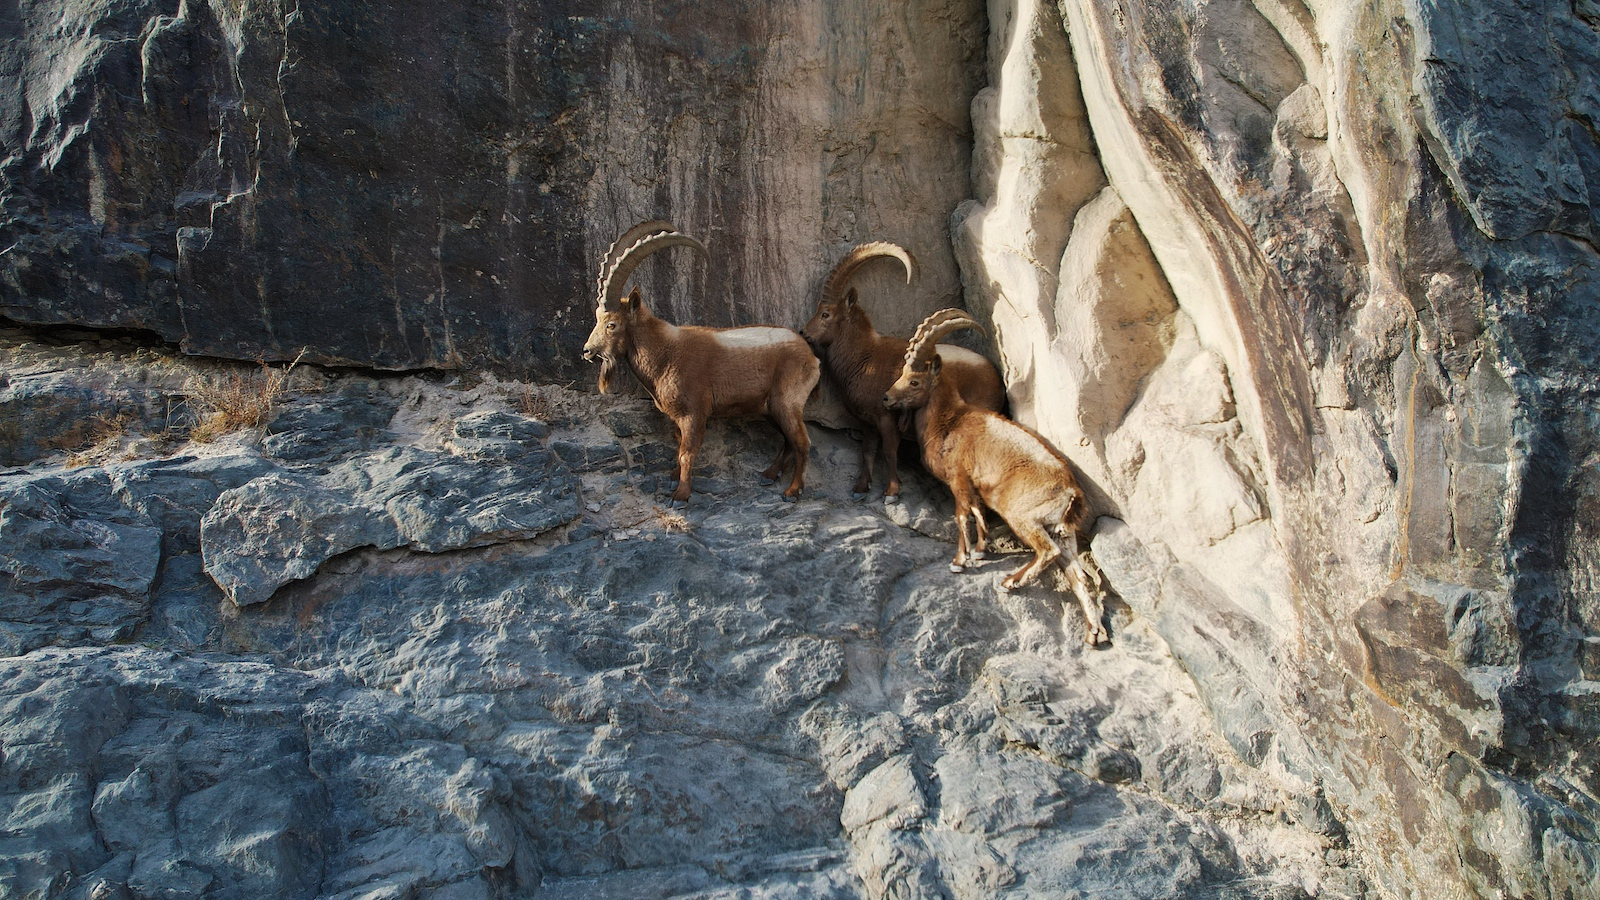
column 753, row 336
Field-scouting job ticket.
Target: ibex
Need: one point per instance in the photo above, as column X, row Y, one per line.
column 986, row 458
column 694, row 373
column 864, row 363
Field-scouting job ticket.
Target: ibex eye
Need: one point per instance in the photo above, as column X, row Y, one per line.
column 826, row 316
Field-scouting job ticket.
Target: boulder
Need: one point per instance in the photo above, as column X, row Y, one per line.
column 499, row 484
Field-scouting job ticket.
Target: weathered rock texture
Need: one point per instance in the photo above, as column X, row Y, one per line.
column 757, row 700
column 1309, row 292
column 1308, row 289
column 445, row 176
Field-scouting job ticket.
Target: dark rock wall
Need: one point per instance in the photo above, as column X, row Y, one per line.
column 426, row 185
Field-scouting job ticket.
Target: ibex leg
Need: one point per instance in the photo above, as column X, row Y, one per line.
column 691, row 432
column 966, row 503
column 1044, row 549
column 869, row 452
column 780, row 465
column 889, row 439
column 1084, row 577
column 797, row 448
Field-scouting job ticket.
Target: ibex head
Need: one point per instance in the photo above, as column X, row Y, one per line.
column 834, row 310
column 921, row 371
column 615, row 315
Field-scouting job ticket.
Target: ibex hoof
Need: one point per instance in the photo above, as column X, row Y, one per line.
column 789, row 499
column 957, row 568
column 679, row 504
column 891, row 498
column 768, row 482
column 1005, row 588
column 858, row 496
column 979, row 554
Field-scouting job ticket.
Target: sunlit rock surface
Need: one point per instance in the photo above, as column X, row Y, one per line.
column 753, row 699
column 1314, row 320
column 1306, row 289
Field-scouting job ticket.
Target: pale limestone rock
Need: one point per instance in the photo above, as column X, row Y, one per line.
column 1032, row 149
column 979, row 796
column 1338, row 471
column 887, row 797
column 1303, row 111
column 1111, row 325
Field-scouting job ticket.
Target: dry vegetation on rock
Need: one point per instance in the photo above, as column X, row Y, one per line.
column 235, row 399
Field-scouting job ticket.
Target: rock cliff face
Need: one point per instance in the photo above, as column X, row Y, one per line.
column 445, row 175
column 1308, row 290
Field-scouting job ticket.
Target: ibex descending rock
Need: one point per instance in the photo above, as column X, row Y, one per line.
column 988, row 459
column 694, row 373
column 864, row 363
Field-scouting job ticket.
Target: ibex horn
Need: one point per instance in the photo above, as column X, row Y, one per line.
column 611, row 286
column 858, row 255
column 620, row 245
column 934, row 327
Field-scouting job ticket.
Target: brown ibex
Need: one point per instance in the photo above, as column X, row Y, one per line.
column 863, row 363
column 694, row 373
column 986, row 458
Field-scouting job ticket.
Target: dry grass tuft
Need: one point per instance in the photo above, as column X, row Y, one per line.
column 535, row 404
column 549, row 403
column 671, row 521
column 236, row 400
column 106, row 434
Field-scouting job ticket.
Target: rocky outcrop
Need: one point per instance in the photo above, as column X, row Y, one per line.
column 1282, row 278
column 494, row 482
column 752, row 699
column 222, row 174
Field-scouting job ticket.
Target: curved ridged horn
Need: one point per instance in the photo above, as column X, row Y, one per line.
column 859, row 254
column 611, row 286
column 934, row 327
column 620, row 245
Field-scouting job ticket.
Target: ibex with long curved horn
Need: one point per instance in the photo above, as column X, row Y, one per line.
column 988, row 459
column 863, row 363
column 694, row 373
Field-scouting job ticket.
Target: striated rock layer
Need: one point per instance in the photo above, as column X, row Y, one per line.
column 1309, row 292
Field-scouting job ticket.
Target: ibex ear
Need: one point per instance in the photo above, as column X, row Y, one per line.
column 632, row 302
column 850, row 298
column 935, row 364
